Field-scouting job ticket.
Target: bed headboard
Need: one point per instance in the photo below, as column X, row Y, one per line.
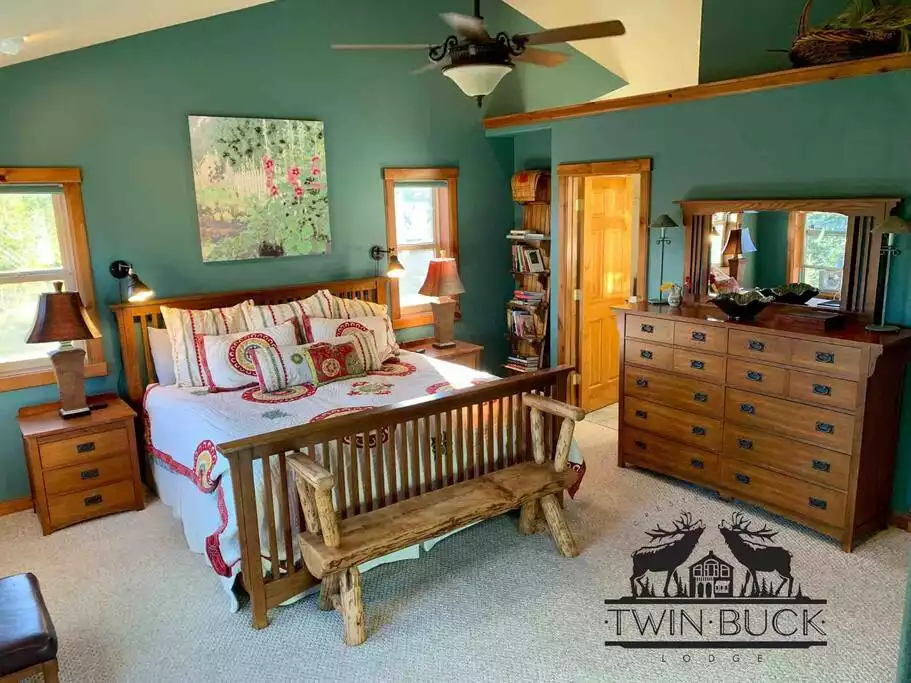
column 134, row 320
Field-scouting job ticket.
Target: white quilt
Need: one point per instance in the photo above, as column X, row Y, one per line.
column 185, row 424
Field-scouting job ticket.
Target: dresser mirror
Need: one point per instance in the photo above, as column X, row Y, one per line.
column 738, row 245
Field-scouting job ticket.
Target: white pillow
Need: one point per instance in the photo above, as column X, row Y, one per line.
column 184, row 326
column 162, row 356
column 226, row 361
column 327, row 329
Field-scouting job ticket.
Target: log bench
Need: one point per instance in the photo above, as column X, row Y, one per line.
column 332, row 549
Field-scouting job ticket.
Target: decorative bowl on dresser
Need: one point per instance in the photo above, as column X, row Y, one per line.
column 83, row 467
column 802, row 423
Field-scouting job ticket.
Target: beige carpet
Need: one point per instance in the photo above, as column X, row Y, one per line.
column 131, row 603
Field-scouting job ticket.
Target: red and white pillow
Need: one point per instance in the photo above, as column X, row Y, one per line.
column 327, row 329
column 356, row 308
column 185, row 325
column 227, row 362
column 320, row 305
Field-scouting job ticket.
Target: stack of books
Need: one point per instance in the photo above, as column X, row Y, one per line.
column 523, row 363
column 522, row 297
column 522, row 324
column 525, row 235
column 527, row 259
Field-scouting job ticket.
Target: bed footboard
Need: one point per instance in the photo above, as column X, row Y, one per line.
column 378, row 457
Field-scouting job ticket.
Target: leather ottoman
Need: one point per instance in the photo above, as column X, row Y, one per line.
column 28, row 642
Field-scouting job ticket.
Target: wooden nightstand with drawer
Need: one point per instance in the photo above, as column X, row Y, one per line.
column 84, row 467
column 463, row 353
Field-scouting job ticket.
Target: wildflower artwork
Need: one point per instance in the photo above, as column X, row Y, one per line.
column 261, row 189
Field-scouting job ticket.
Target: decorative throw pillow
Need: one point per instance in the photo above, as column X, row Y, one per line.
column 185, row 325
column 326, row 329
column 333, row 361
column 226, row 360
column 320, row 305
column 289, row 366
column 355, row 308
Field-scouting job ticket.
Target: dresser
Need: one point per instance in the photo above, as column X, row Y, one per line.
column 804, row 424
column 84, row 467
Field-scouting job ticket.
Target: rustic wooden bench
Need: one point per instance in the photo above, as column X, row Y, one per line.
column 332, row 549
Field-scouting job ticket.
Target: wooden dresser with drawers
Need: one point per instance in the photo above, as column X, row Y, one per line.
column 804, row 424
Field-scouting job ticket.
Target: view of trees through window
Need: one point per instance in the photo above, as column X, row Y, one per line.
column 825, row 236
column 415, row 228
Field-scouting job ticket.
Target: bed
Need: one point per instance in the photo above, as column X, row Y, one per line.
column 219, row 459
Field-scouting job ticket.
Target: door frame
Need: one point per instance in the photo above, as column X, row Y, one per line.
column 571, row 179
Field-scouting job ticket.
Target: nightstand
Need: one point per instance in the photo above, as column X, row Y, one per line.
column 463, row 353
column 83, row 467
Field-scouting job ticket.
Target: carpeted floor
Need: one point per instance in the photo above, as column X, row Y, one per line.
column 131, row 603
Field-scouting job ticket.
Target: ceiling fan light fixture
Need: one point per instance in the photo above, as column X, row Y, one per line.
column 477, row 80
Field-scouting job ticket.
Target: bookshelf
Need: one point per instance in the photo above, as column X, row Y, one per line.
column 527, row 319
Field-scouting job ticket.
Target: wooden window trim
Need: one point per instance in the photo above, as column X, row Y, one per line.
column 70, row 179
column 446, row 228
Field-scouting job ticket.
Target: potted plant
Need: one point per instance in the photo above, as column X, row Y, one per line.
column 867, row 28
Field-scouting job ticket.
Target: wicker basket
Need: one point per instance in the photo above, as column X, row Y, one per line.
column 531, row 186
column 830, row 45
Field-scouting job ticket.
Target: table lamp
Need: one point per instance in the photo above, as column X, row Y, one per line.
column 442, row 283
column 739, row 243
column 61, row 317
column 892, row 226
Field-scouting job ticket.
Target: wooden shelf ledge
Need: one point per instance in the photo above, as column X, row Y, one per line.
column 705, row 91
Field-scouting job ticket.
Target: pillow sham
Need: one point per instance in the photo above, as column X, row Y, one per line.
column 326, row 329
column 320, row 305
column 162, row 356
column 355, row 308
column 185, row 325
column 289, row 366
column 226, row 360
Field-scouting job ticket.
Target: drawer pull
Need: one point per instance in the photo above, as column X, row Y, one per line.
column 748, row 408
column 642, row 414
column 825, row 357
column 825, row 428
column 822, row 389
column 648, row 329
column 87, row 447
column 700, row 397
column 93, row 500
column 756, row 345
column 745, row 444
column 697, row 364
column 642, row 382
column 742, row 478
column 697, row 463
column 698, row 336
column 818, row 503
column 699, row 431
column 640, row 444
column 89, row 474
column 754, row 376
column 645, row 354
column 822, row 466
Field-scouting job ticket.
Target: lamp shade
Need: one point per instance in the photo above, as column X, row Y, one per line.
column 442, row 278
column 137, row 290
column 395, row 269
column 477, row 79
column 61, row 317
column 739, row 243
column 894, row 225
column 663, row 221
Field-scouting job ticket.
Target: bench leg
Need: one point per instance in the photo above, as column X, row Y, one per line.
column 49, row 670
column 528, row 518
column 327, row 591
column 352, row 606
column 556, row 520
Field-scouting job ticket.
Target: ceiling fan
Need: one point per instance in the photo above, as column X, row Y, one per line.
column 477, row 61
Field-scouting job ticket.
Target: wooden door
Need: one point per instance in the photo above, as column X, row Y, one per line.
column 606, row 249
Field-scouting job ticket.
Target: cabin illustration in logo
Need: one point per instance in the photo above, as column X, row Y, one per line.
column 711, row 577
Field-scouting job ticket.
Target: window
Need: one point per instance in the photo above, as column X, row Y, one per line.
column 818, row 242
column 421, row 223
column 42, row 240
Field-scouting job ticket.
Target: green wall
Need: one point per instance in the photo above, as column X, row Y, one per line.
column 119, row 112
column 771, row 237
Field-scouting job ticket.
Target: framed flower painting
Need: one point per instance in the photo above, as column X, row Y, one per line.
column 261, row 189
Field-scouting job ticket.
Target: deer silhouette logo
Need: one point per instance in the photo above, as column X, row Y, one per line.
column 674, row 547
column 754, row 551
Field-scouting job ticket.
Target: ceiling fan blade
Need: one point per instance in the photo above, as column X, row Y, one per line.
column 533, row 55
column 601, row 29
column 410, row 46
column 427, row 67
column 466, row 26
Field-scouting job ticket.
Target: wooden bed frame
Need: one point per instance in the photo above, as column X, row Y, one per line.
column 401, row 440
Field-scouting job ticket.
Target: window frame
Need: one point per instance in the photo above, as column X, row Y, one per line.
column 445, row 229
column 77, row 272
column 797, row 239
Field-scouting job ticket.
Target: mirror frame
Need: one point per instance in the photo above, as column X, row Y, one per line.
column 861, row 283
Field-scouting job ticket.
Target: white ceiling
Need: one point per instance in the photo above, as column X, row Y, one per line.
column 660, row 50
column 52, row 26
